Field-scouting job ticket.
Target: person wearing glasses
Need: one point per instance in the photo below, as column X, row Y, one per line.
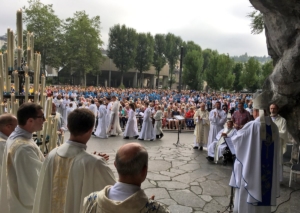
column 22, row 161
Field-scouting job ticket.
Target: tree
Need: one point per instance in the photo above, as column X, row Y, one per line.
column 3, row 48
column 82, row 37
column 257, row 22
column 122, row 47
column 159, row 58
column 250, row 75
column 192, row 69
column 173, row 44
column 144, row 53
column 237, row 71
column 224, row 77
column 46, row 26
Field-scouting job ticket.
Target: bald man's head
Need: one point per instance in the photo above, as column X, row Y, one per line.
column 8, row 123
column 130, row 159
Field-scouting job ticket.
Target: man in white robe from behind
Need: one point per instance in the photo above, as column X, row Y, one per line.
column 217, row 118
column 69, row 172
column 217, row 148
column 126, row 196
column 147, row 131
column 114, row 127
column 158, row 116
column 108, row 110
column 101, row 128
column 22, row 162
column 256, row 169
column 93, row 108
column 8, row 123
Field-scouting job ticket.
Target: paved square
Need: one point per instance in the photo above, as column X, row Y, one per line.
column 182, row 178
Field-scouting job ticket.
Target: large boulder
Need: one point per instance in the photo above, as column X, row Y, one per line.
column 282, row 29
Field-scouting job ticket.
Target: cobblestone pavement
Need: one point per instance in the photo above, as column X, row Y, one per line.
column 182, row 179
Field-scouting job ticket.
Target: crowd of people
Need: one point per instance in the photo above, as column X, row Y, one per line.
column 71, row 180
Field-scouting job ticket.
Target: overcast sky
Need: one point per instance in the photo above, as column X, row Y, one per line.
column 215, row 24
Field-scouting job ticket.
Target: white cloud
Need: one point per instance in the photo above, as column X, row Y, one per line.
column 215, row 24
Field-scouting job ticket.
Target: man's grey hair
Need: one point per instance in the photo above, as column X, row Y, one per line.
column 133, row 166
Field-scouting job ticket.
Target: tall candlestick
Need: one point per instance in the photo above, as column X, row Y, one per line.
column 49, row 130
column 26, row 87
column 29, row 61
column 2, row 110
column 5, row 65
column 8, row 82
column 12, row 98
column 8, row 48
column 44, row 136
column 16, row 82
column 19, row 58
column 43, row 100
column 8, row 106
column 16, row 106
column 49, row 102
column 11, row 54
column 32, row 46
column 36, row 97
column 20, row 28
column 1, row 77
column 28, row 40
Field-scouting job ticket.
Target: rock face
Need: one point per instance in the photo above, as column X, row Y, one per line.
column 282, row 29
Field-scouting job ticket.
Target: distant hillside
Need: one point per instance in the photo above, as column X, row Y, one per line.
column 245, row 58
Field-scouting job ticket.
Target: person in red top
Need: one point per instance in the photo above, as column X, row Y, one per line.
column 189, row 118
column 240, row 117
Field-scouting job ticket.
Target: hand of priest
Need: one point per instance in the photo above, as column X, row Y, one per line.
column 105, row 156
column 152, row 197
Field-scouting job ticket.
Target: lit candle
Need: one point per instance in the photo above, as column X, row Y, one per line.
column 43, row 100
column 8, row 47
column 19, row 57
column 28, row 41
column 49, row 107
column 29, row 62
column 8, row 84
column 36, row 97
column 8, row 106
column 12, row 97
column 1, row 77
column 26, row 70
column 11, row 54
column 32, row 45
column 54, row 132
column 5, row 63
column 16, row 105
column 16, row 82
column 44, row 135
column 1, row 89
column 20, row 28
column 26, row 87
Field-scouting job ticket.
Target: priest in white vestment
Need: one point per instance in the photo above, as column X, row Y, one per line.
column 281, row 124
column 126, row 195
column 114, row 127
column 201, row 121
column 59, row 104
column 256, row 172
column 69, row 172
column 131, row 129
column 101, row 128
column 108, row 110
column 65, row 106
column 93, row 108
column 22, row 161
column 217, row 118
column 217, row 148
column 147, row 131
column 8, row 123
column 158, row 116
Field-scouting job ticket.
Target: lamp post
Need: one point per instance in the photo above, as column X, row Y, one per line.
column 180, row 70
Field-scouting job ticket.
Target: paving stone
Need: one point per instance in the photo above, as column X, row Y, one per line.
column 159, row 193
column 192, row 176
column 184, row 158
column 147, row 184
column 167, row 202
column 170, row 174
column 189, row 167
column 194, row 184
column 224, row 201
column 206, row 198
column 155, row 176
column 172, row 185
column 178, row 163
column 187, row 198
column 196, row 189
column 213, row 207
column 202, row 179
column 158, row 165
column 178, row 171
column 214, row 177
column 212, row 188
column 180, row 209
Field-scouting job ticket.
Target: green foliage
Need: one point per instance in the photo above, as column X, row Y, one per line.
column 82, row 44
column 122, row 47
column 219, row 72
column 173, row 45
column 250, row 74
column 257, row 22
column 46, row 26
column 3, row 48
column 245, row 58
column 237, row 71
column 192, row 69
column 122, row 86
column 266, row 70
column 144, row 53
column 159, row 59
